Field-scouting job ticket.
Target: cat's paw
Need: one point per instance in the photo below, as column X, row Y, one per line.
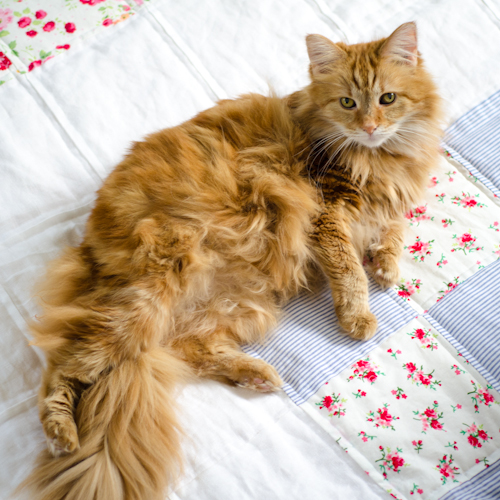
column 384, row 271
column 362, row 327
column 256, row 375
column 61, row 434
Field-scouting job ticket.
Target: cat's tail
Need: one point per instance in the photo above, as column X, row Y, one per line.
column 129, row 437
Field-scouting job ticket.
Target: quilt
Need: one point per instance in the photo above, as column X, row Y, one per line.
column 412, row 413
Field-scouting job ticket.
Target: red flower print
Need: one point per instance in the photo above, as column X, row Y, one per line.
column 24, row 22
column 49, row 26
column 436, row 425
column 397, row 462
column 430, row 413
column 382, row 418
column 419, row 333
column 91, row 2
column 420, row 249
column 410, row 367
column 4, row 62
column 31, row 33
column 423, row 379
column 384, row 415
column 444, row 471
column 70, row 27
column 371, row 376
column 482, row 434
column 34, row 64
column 362, row 363
column 107, row 21
column 328, row 401
column 471, row 203
column 473, row 441
column 417, row 247
column 488, row 398
column 40, row 14
column 65, row 47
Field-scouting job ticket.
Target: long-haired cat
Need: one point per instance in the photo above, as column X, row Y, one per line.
column 199, row 236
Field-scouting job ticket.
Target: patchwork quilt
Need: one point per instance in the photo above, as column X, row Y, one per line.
column 412, row 413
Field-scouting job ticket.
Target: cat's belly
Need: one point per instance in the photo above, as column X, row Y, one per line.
column 241, row 284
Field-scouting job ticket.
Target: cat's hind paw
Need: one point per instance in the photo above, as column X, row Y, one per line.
column 256, row 375
column 62, row 435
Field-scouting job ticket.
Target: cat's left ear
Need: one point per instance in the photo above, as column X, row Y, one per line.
column 322, row 54
column 402, row 45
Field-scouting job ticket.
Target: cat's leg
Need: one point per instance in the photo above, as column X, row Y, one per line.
column 385, row 254
column 341, row 264
column 218, row 355
column 58, row 399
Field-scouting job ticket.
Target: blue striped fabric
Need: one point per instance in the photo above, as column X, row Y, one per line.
column 484, row 486
column 475, row 137
column 308, row 347
column 471, row 314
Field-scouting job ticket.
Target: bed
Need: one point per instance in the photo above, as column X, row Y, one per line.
column 414, row 412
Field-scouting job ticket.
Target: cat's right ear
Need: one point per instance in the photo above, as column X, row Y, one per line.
column 322, row 54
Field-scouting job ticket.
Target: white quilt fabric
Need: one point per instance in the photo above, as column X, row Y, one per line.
column 65, row 125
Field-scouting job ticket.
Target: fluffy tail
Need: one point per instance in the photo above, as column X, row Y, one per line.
column 129, row 437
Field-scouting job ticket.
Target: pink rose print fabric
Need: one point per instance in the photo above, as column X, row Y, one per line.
column 35, row 31
column 426, row 423
column 451, row 235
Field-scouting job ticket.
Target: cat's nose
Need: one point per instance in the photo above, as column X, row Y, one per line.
column 370, row 128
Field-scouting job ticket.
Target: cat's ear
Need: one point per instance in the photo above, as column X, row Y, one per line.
column 401, row 46
column 322, row 54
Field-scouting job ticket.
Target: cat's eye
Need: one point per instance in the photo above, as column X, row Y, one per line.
column 347, row 102
column 388, row 98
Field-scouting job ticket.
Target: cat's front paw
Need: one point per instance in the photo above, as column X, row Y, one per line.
column 362, row 326
column 385, row 271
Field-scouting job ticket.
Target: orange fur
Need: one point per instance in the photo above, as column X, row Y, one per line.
column 197, row 239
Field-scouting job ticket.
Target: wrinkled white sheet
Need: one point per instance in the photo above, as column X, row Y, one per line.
column 64, row 127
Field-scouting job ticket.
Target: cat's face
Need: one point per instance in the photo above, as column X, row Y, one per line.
column 368, row 107
column 373, row 94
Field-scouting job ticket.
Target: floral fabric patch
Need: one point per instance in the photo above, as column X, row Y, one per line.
column 450, row 236
column 425, row 423
column 34, row 31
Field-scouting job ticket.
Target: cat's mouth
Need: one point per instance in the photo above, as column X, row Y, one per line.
column 373, row 140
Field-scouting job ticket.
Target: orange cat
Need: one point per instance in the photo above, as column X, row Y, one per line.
column 199, row 236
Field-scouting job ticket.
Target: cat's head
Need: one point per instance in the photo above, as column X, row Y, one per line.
column 373, row 95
